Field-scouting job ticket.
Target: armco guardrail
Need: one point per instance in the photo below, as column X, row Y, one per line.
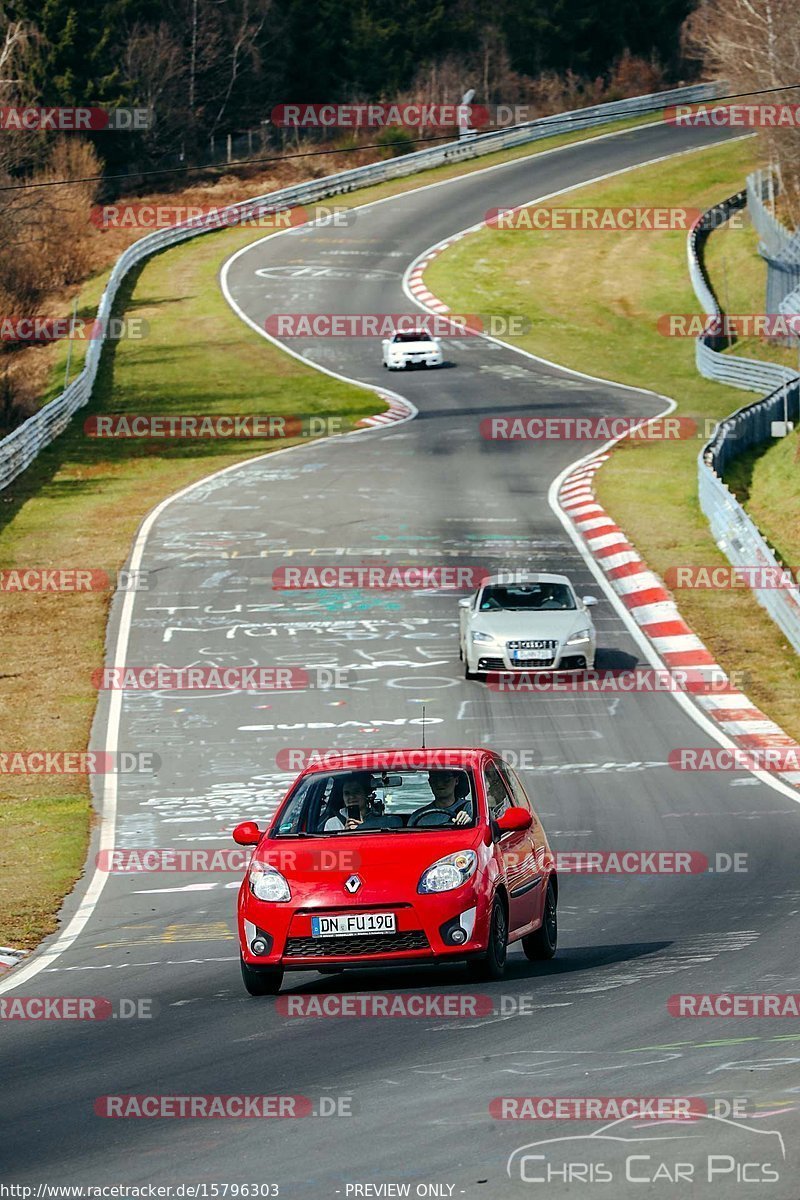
column 20, row 448
column 733, row 530
column 779, row 246
column 752, row 374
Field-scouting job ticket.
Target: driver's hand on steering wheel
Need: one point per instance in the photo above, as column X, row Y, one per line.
column 461, row 818
column 352, row 823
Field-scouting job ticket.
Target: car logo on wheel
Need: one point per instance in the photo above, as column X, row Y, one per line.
column 352, row 884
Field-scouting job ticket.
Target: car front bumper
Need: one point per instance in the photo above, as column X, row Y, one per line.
column 487, row 657
column 423, row 931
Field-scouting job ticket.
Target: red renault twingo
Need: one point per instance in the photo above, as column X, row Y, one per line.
column 392, row 857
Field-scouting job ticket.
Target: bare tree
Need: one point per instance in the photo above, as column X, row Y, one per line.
column 755, row 44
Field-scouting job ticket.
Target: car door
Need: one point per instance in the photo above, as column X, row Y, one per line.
column 515, row 848
column 528, row 883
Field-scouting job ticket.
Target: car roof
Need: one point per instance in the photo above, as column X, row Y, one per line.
column 509, row 578
column 398, row 758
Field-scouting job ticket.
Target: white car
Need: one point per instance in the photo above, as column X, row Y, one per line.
column 526, row 622
column 411, row 348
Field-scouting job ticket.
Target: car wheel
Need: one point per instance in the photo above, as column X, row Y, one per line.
column 261, row 981
column 471, row 674
column 492, row 964
column 543, row 941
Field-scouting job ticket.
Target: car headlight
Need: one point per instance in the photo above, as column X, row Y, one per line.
column 479, row 636
column 582, row 635
column 449, row 872
column 268, row 884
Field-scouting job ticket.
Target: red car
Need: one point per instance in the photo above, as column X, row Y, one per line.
column 392, row 857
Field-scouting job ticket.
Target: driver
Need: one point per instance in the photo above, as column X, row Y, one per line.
column 445, row 784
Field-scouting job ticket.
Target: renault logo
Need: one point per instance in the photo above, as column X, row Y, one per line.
column 352, row 884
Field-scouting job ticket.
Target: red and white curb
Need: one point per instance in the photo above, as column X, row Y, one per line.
column 655, row 612
column 398, row 410
column 11, row 958
column 416, row 284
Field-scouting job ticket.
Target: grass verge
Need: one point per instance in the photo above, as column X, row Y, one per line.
column 594, row 300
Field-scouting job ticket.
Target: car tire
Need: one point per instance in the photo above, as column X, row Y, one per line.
column 492, row 964
column 467, row 673
column 542, row 943
column 261, row 981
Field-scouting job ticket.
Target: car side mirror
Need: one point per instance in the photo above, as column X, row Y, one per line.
column 514, row 820
column 588, row 601
column 465, row 602
column 247, row 834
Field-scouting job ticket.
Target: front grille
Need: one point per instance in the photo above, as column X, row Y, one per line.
column 533, row 662
column 491, row 664
column 353, row 945
column 550, row 644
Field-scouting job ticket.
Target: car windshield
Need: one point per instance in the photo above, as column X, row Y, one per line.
column 415, row 335
column 327, row 804
column 527, row 596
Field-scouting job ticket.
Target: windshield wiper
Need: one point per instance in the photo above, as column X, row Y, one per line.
column 302, row 833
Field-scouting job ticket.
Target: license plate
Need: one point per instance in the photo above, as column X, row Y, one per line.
column 349, row 923
column 536, row 655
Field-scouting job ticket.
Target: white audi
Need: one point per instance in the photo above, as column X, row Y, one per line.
column 526, row 622
column 411, row 348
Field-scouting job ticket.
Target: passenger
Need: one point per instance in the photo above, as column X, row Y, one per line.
column 451, row 795
column 357, row 797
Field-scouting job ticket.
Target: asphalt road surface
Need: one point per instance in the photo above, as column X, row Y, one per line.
column 410, row 1097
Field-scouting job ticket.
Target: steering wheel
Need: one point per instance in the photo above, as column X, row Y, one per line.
column 431, row 817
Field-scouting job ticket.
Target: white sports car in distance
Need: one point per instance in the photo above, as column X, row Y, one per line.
column 526, row 622
column 411, row 348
